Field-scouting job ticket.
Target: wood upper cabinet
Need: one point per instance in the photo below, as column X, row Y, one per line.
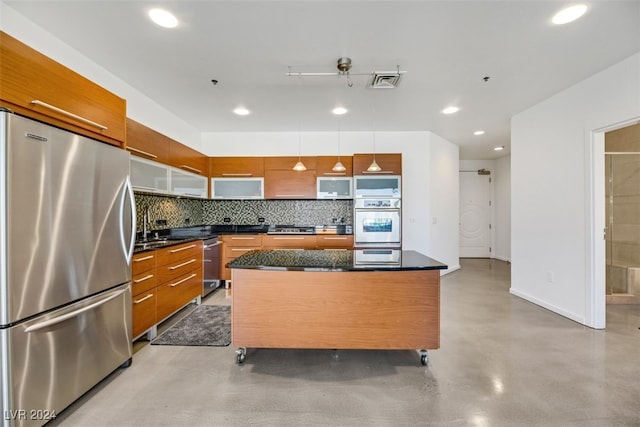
column 236, row 167
column 146, row 142
column 39, row 87
column 187, row 158
column 325, row 164
column 282, row 182
column 391, row 163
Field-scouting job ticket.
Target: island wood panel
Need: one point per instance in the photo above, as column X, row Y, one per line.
column 336, row 310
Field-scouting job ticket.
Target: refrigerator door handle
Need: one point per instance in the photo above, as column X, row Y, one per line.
column 75, row 313
column 128, row 190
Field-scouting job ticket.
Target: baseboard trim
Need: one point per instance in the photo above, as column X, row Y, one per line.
column 550, row 307
column 501, row 258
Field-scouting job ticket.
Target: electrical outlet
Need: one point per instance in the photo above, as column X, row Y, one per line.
column 226, row 219
column 261, row 220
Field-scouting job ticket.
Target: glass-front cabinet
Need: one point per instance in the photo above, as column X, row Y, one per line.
column 147, row 175
column 237, row 188
column 188, row 184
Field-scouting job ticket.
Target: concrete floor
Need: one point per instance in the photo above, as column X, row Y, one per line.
column 502, row 362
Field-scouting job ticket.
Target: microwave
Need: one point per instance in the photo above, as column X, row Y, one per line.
column 334, row 187
column 368, row 186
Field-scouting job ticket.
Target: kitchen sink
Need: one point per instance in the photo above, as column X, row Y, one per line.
column 151, row 244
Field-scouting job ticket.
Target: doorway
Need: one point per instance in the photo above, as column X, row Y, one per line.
column 622, row 215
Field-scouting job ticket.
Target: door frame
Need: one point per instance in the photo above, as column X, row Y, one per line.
column 595, row 248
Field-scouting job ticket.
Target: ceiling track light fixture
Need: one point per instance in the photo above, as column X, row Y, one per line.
column 379, row 79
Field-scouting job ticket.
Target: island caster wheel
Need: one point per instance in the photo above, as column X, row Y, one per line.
column 424, row 358
column 241, row 353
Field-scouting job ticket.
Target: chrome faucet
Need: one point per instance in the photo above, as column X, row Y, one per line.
column 145, row 222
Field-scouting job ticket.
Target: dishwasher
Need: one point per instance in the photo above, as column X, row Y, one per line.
column 210, row 265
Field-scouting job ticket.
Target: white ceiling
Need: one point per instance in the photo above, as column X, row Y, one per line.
column 446, row 47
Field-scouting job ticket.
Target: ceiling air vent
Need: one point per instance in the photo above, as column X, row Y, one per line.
column 385, row 80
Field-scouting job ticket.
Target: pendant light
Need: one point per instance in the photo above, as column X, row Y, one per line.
column 339, row 167
column 299, row 166
column 373, row 167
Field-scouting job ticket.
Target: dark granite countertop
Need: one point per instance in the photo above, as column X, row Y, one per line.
column 336, row 260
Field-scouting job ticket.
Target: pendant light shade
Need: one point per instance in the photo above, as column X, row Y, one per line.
column 373, row 167
column 338, row 167
column 299, row 167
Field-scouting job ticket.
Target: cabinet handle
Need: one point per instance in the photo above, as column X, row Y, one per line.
column 237, row 174
column 206, row 247
column 288, row 238
column 334, row 238
column 192, row 194
column 147, row 277
column 243, row 238
column 335, row 173
column 241, row 250
column 173, row 267
column 68, row 114
column 374, row 173
column 183, row 280
column 182, row 249
column 143, row 258
column 144, row 153
column 290, row 195
column 138, row 301
column 189, row 168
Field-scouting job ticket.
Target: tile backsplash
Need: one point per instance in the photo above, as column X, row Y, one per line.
column 170, row 212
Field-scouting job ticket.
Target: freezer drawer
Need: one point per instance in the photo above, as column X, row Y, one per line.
column 51, row 360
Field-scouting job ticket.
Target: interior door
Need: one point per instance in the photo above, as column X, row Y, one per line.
column 475, row 205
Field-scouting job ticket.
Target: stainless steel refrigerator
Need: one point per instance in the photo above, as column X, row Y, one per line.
column 67, row 230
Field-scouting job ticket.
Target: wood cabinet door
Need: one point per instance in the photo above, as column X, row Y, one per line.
column 187, row 158
column 143, row 313
column 39, row 87
column 391, row 163
column 288, row 242
column 146, row 142
column 335, row 241
column 325, row 164
column 284, row 184
column 236, row 167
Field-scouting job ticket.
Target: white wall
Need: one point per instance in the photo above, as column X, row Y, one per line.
column 429, row 176
column 502, row 209
column 139, row 107
column 550, row 189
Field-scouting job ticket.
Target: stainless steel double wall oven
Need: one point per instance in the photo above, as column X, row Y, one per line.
column 377, row 212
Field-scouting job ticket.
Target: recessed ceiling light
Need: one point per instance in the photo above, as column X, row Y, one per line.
column 241, row 111
column 569, row 14
column 479, row 132
column 339, row 111
column 500, row 148
column 163, row 18
column 450, row 110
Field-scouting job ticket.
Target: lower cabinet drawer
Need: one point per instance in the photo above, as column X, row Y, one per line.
column 177, row 292
column 144, row 282
column 179, row 268
column 143, row 314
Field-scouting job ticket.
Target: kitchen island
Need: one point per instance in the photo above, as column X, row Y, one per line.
column 336, row 299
